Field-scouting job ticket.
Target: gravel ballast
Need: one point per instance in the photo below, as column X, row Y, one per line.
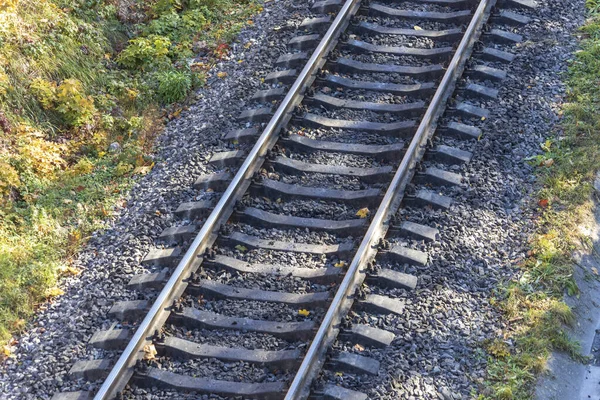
column 483, row 235
column 57, row 336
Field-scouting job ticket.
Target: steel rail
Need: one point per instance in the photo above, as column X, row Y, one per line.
column 300, row 386
column 158, row 313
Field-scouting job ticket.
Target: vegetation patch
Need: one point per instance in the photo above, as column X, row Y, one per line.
column 566, row 170
column 82, row 83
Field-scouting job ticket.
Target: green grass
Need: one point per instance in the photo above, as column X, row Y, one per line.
column 534, row 305
column 76, row 76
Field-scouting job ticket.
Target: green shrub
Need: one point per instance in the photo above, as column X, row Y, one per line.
column 173, row 86
column 165, row 25
column 145, row 51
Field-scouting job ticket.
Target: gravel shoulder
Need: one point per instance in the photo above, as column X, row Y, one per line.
column 56, row 338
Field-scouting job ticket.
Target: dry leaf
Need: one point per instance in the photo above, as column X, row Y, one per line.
column 340, row 264
column 241, row 248
column 304, row 313
column 548, row 162
column 53, row 292
column 339, row 374
column 594, row 270
column 150, row 352
column 69, row 270
column 362, row 213
column 417, row 28
column 142, row 170
column 358, row 347
column 222, row 74
column 176, row 113
column 543, row 203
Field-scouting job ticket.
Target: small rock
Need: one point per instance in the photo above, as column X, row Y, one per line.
column 114, row 147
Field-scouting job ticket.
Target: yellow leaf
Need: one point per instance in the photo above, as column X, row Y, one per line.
column 417, row 28
column 362, row 213
column 340, row 264
column 358, row 347
column 7, row 351
column 150, row 352
column 142, row 170
column 53, row 292
column 339, row 374
column 304, row 313
column 222, row 74
column 69, row 270
column 483, row 118
column 241, row 248
column 595, row 271
column 248, row 45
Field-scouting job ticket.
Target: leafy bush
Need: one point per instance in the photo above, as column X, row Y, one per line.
column 41, row 156
column 77, row 108
column 68, row 99
column 145, row 51
column 9, row 179
column 165, row 25
column 44, row 91
column 173, row 86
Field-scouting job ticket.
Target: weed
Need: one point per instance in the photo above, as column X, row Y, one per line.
column 144, row 52
column 173, row 86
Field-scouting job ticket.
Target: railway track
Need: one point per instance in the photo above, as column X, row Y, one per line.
column 313, row 217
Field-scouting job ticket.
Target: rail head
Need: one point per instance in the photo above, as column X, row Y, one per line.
column 300, row 386
column 123, row 369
